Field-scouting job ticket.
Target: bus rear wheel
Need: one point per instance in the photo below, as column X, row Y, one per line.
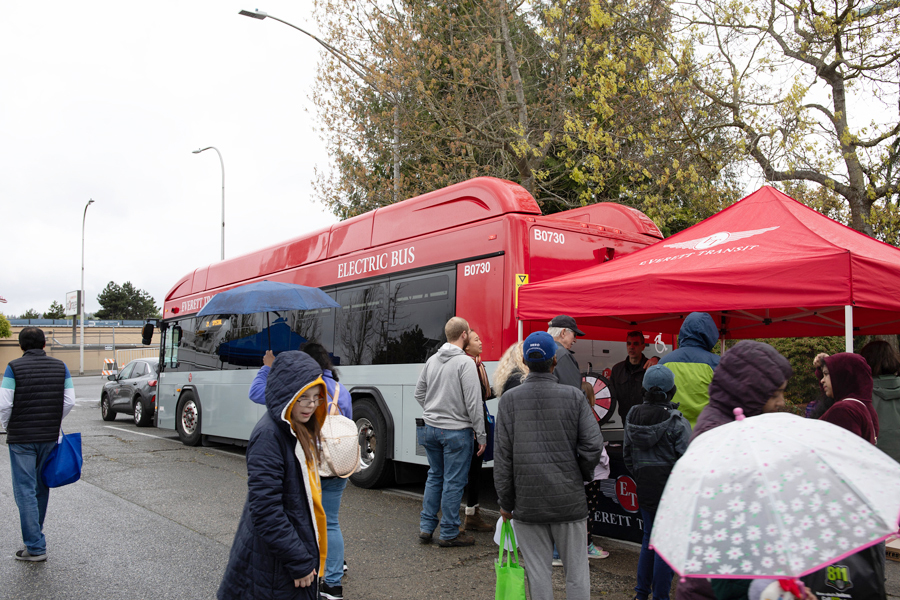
column 375, row 468
column 187, row 419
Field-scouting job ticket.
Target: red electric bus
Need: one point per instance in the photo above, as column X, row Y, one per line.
column 399, row 273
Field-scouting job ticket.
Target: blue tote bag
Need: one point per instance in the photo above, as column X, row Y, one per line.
column 63, row 466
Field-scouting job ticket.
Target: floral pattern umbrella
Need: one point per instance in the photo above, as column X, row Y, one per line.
column 774, row 496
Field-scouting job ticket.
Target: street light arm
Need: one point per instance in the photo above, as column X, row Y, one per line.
column 358, row 68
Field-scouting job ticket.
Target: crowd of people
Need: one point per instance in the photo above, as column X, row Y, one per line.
column 546, row 443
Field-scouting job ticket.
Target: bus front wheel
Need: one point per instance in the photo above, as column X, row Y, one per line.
column 375, row 468
column 187, row 420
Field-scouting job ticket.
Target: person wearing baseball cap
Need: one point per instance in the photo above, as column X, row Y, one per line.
column 546, row 446
column 564, row 331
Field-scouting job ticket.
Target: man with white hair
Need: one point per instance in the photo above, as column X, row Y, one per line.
column 564, row 331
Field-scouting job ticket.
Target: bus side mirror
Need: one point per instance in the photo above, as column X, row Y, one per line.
column 147, row 334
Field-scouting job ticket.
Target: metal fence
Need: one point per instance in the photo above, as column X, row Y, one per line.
column 123, row 357
column 68, row 323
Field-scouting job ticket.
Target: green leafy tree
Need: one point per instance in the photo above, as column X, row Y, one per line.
column 56, row 311
column 810, row 89
column 5, row 329
column 125, row 302
column 31, row 314
column 415, row 95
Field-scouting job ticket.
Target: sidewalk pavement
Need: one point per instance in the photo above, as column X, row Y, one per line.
column 101, row 546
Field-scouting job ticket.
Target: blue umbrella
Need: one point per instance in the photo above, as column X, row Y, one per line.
column 266, row 296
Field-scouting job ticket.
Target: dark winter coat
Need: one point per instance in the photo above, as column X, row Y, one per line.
column 546, row 446
column 693, row 364
column 851, row 377
column 747, row 376
column 656, row 435
column 37, row 410
column 276, row 541
column 567, row 371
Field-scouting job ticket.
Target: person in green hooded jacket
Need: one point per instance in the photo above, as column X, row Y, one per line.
column 885, row 394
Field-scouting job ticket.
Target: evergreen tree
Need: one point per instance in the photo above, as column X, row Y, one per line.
column 56, row 311
column 125, row 302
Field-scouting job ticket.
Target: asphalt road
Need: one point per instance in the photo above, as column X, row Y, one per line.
column 152, row 518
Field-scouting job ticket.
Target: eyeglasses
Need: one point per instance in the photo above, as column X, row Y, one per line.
column 306, row 402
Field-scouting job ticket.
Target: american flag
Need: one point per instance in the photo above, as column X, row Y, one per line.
column 2, row 299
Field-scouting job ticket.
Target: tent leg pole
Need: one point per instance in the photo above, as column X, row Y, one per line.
column 848, row 328
column 520, row 330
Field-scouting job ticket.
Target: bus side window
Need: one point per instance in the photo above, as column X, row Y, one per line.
column 361, row 324
column 316, row 325
column 420, row 307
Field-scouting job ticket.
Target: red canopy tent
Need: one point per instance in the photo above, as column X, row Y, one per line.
column 766, row 266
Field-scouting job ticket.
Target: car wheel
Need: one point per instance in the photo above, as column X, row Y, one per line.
column 187, row 419
column 142, row 416
column 106, row 410
column 375, row 468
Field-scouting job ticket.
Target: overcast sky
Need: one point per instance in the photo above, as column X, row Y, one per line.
column 106, row 101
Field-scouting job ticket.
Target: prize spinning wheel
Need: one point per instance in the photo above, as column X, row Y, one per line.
column 604, row 403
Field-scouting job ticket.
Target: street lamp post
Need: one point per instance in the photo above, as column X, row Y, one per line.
column 81, row 303
column 221, row 162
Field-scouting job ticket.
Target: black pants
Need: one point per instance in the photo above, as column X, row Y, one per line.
column 474, row 484
column 593, row 492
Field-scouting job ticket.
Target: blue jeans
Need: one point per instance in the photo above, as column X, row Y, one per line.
column 652, row 572
column 449, row 454
column 26, row 461
column 332, row 490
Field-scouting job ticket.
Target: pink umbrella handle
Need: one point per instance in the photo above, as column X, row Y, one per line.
column 739, row 414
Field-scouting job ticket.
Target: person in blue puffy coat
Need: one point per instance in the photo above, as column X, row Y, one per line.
column 281, row 544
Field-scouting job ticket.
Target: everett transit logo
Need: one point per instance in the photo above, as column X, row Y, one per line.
column 717, row 239
column 707, row 245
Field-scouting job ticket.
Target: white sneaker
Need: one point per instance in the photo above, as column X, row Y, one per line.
column 557, row 562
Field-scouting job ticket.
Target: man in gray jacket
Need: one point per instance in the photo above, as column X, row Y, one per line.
column 450, row 394
column 564, row 331
column 546, row 446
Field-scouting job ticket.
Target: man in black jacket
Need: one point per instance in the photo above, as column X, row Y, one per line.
column 625, row 382
column 35, row 395
column 564, row 331
column 546, row 446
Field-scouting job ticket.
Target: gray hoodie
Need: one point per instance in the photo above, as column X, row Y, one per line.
column 450, row 392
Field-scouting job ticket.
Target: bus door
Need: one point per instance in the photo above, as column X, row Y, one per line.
column 479, row 300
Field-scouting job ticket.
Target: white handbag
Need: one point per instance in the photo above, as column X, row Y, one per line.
column 340, row 442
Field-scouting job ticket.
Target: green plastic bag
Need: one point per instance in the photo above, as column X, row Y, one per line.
column 510, row 576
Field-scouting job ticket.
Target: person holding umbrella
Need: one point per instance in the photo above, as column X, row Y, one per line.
column 751, row 376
